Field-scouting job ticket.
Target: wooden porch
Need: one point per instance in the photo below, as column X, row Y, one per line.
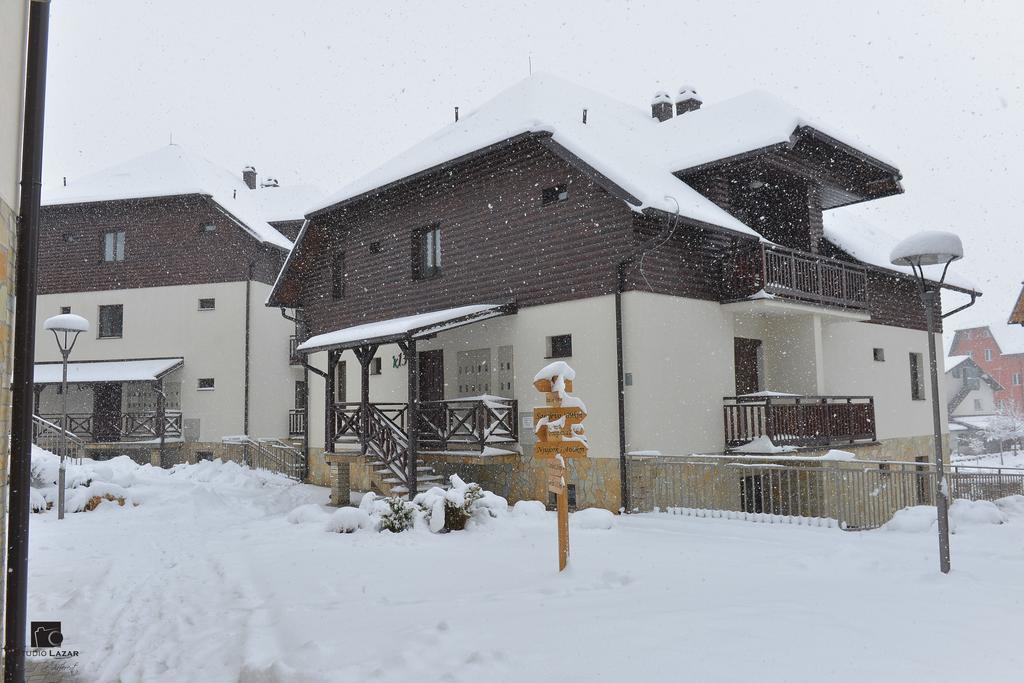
column 138, row 426
column 799, row 421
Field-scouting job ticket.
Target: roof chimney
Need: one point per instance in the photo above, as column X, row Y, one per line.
column 269, row 182
column 661, row 106
column 249, row 176
column 687, row 100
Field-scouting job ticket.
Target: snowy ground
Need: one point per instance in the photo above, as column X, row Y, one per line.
column 205, row 579
column 1006, row 459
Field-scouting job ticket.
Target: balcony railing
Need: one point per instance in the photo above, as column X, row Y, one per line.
column 124, row 427
column 792, row 274
column 296, row 422
column 799, row 420
column 457, row 424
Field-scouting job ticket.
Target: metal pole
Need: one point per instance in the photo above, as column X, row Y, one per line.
column 63, row 432
column 929, row 297
column 24, row 346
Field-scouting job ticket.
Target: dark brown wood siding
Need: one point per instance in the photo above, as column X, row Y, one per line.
column 498, row 241
column 894, row 300
column 165, row 244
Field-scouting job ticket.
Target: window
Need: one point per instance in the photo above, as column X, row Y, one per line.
column 207, row 304
column 988, row 354
column 338, row 275
column 300, row 395
column 113, row 246
column 560, row 346
column 209, row 227
column 917, row 376
column 1016, row 379
column 111, row 321
column 977, row 404
column 879, row 354
column 64, row 310
column 375, row 366
column 553, row 195
column 426, row 253
column 205, row 384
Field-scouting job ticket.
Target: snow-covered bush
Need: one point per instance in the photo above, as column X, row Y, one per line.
column 398, row 516
column 450, row 510
column 533, row 509
column 348, row 520
column 306, row 514
column 592, row 518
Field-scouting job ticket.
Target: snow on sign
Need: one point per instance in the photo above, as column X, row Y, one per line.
column 559, row 430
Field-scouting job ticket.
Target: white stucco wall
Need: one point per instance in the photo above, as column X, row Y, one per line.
column 983, row 393
column 850, row 369
column 166, row 321
column 680, row 355
column 13, row 31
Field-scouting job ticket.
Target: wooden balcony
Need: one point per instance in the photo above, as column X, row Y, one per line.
column 120, row 427
column 802, row 421
column 763, row 269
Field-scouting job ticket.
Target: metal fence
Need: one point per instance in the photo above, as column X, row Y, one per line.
column 847, row 494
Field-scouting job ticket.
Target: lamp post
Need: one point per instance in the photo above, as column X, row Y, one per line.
column 66, row 328
column 933, row 248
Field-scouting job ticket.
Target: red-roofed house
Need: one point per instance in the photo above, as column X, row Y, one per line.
column 999, row 351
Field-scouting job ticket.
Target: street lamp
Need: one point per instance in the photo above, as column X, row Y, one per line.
column 66, row 328
column 932, row 248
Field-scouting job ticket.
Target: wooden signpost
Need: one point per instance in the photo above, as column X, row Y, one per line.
column 559, row 430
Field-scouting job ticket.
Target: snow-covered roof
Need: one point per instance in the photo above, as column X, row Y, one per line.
column 872, row 245
column 747, row 122
column 175, row 170
column 409, row 326
column 146, row 370
column 622, row 142
column 953, row 362
column 1009, row 337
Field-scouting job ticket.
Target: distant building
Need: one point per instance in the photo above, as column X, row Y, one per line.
column 171, row 259
column 1017, row 316
column 971, row 401
column 999, row 351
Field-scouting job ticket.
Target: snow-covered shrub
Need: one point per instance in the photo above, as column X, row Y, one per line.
column 533, row 509
column 398, row 516
column 962, row 513
column 592, row 518
column 348, row 520
column 37, row 501
column 306, row 514
column 450, row 510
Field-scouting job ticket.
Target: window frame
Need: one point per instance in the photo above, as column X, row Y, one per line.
column 100, row 325
column 988, row 354
column 64, row 310
column 1015, row 379
column 200, row 380
column 211, row 299
column 551, row 351
column 878, row 354
column 116, row 240
column 917, row 388
column 427, row 252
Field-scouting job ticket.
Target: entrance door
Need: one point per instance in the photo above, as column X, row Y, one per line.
column 748, row 365
column 431, row 375
column 106, row 412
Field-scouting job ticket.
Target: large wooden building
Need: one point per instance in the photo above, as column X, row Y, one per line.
column 691, row 263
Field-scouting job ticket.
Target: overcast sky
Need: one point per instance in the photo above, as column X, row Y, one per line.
column 322, row 91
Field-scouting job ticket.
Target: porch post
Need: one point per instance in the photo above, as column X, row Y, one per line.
column 365, row 355
column 412, row 414
column 161, row 410
column 329, row 422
